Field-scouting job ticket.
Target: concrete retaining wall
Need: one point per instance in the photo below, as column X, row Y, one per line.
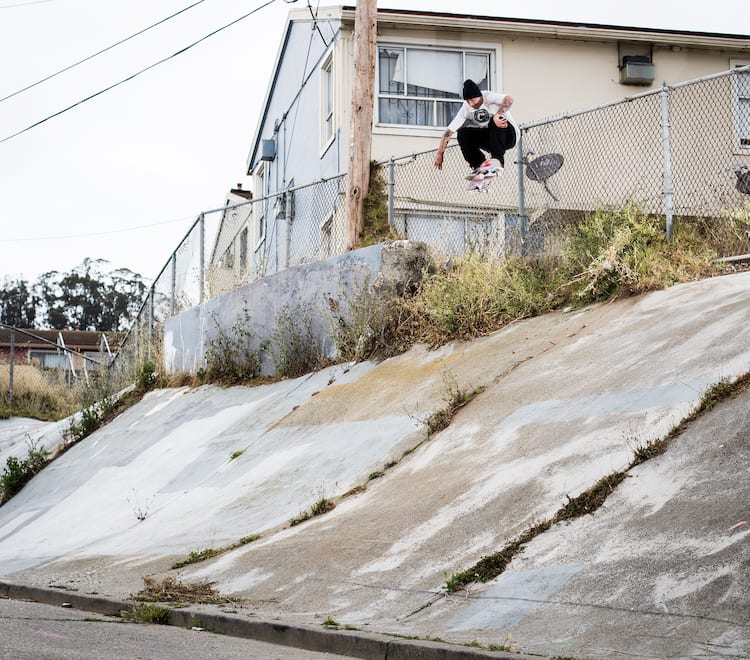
column 300, row 296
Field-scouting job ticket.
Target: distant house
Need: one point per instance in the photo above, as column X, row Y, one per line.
column 549, row 67
column 59, row 349
column 229, row 254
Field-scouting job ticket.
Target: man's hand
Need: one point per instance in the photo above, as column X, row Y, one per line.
column 439, row 160
column 500, row 121
column 507, row 102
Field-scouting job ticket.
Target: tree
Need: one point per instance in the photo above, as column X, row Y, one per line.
column 18, row 305
column 86, row 298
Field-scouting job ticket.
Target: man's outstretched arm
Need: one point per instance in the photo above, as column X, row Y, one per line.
column 441, row 149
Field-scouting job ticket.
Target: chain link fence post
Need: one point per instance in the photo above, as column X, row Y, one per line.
column 521, row 193
column 12, row 362
column 391, row 188
column 173, row 287
column 202, row 258
column 668, row 183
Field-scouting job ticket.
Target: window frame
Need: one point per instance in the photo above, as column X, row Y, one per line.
column 740, row 134
column 327, row 102
column 493, row 51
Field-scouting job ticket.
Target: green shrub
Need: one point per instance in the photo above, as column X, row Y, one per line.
column 93, row 415
column 150, row 613
column 231, row 356
column 625, row 251
column 294, row 348
column 18, row 472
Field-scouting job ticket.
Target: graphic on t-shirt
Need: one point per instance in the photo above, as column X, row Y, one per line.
column 482, row 115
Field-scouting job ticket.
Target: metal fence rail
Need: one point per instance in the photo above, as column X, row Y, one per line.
column 680, row 152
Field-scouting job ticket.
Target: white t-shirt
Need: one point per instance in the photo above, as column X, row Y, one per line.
column 481, row 116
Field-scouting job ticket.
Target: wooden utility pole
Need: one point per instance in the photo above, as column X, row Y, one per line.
column 360, row 146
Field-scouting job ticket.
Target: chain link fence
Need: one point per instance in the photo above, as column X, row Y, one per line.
column 679, row 152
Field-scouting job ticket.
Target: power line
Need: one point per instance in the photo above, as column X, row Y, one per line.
column 104, row 50
column 134, row 75
column 97, row 233
column 24, row 4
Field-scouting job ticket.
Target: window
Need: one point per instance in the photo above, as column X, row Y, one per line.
column 326, row 100
column 742, row 105
column 326, row 237
column 243, row 249
column 49, row 359
column 260, row 206
column 422, row 87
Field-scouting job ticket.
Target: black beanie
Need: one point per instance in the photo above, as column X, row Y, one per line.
column 471, row 90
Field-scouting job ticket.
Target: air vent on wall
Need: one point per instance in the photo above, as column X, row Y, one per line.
column 636, row 70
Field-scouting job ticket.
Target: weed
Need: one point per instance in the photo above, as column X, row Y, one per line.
column 147, row 377
column 93, row 415
column 715, row 393
column 148, row 613
column 354, row 491
column 139, row 511
column 172, row 590
column 455, row 399
column 331, row 624
column 18, row 472
column 609, row 253
column 318, row 508
column 375, row 210
column 323, row 505
column 475, row 296
column 591, row 499
column 236, row 454
column 195, row 557
column 232, row 356
column 625, row 251
column 294, row 348
column 299, row 518
column 507, row 646
column 369, row 324
column 375, row 475
column 642, row 453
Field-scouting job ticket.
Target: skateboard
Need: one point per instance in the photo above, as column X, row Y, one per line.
column 481, row 180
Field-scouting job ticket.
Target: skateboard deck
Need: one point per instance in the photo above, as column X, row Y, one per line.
column 487, row 171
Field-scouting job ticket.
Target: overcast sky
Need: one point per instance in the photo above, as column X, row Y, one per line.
column 123, row 176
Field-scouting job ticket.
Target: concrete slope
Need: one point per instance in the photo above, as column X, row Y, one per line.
column 567, row 399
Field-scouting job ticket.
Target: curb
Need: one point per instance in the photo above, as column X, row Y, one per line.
column 358, row 644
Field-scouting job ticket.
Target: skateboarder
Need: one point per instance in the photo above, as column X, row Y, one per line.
column 483, row 122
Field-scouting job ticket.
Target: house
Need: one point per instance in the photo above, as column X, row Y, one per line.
column 68, row 350
column 228, row 258
column 549, row 67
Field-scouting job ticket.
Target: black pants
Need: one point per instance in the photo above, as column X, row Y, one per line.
column 492, row 139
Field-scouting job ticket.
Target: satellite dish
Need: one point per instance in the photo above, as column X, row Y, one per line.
column 543, row 167
column 743, row 179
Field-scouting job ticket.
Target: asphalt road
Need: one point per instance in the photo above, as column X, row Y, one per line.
column 34, row 631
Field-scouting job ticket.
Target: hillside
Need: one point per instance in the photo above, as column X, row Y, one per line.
column 566, row 399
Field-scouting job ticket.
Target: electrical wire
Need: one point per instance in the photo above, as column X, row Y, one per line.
column 134, row 75
column 315, row 21
column 24, row 4
column 104, row 50
column 97, row 233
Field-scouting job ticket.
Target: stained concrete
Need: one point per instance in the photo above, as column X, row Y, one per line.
column 660, row 570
